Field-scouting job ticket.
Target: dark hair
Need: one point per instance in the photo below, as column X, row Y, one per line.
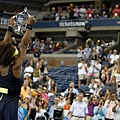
column 6, row 53
column 101, row 98
column 82, row 92
column 55, row 85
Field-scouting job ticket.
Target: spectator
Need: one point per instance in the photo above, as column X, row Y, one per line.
column 114, row 57
column 97, row 68
column 32, row 64
column 80, row 111
column 32, row 104
column 28, row 70
column 53, row 107
column 100, row 110
column 25, row 90
column 40, row 64
column 114, row 68
column 103, row 44
column 48, row 83
column 76, row 12
column 83, row 12
column 116, row 110
column 87, row 53
column 20, row 111
column 39, row 83
column 36, row 73
column 44, row 94
column 91, row 104
column 110, row 104
column 104, row 15
column 90, row 12
column 67, row 108
column 56, row 47
column 64, row 15
column 62, row 100
column 52, row 14
column 104, row 9
column 108, row 94
column 58, row 16
column 82, row 72
column 94, row 56
column 30, row 82
column 95, row 87
column 71, row 11
column 71, row 85
column 97, row 13
column 116, row 12
column 51, row 47
column 42, row 46
column 109, row 54
column 71, row 95
column 45, row 97
column 40, row 111
column 117, row 75
column 98, row 46
column 112, row 84
column 105, row 72
column 36, row 43
column 80, row 52
column 47, row 43
column 26, row 108
column 53, row 89
column 102, row 55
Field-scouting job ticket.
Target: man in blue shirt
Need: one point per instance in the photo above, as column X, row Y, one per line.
column 71, row 85
column 79, row 109
column 53, row 107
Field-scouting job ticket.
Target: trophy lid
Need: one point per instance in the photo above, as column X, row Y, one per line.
column 25, row 9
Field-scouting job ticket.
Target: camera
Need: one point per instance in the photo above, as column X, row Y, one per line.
column 100, row 103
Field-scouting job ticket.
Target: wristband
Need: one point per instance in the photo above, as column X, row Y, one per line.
column 10, row 28
column 29, row 26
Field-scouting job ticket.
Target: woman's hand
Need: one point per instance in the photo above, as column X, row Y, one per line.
column 12, row 21
column 32, row 20
column 25, row 118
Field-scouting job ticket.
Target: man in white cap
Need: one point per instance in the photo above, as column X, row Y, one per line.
column 114, row 57
column 62, row 101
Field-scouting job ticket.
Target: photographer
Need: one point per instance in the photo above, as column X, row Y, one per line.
column 116, row 110
column 110, row 104
column 100, row 110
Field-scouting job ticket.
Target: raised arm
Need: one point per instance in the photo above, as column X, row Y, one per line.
column 24, row 42
column 7, row 37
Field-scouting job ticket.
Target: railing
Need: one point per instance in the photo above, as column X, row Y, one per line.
column 71, row 23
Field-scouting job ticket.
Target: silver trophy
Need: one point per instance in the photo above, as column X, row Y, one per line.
column 21, row 20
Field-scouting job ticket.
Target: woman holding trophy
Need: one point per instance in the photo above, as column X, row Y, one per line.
column 11, row 70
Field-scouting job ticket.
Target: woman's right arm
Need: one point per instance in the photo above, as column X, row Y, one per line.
column 103, row 111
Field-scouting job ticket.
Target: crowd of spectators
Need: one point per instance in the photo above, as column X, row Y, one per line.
column 97, row 70
column 75, row 12
column 38, row 47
